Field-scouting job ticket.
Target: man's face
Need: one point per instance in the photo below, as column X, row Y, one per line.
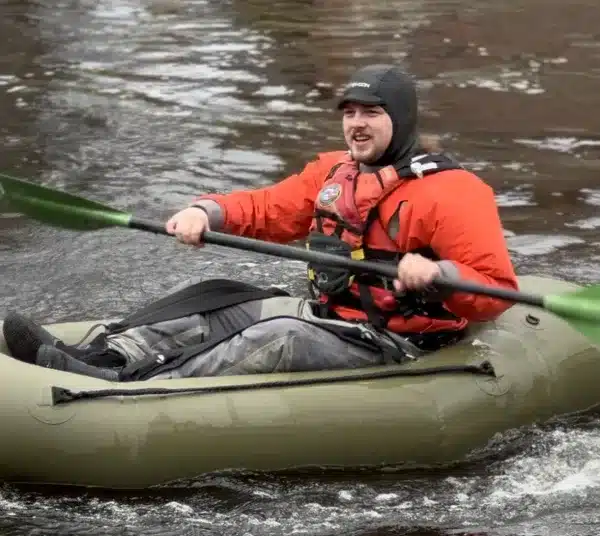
column 367, row 130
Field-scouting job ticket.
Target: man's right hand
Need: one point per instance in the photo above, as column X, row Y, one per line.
column 188, row 225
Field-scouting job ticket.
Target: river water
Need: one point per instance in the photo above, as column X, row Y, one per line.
column 142, row 104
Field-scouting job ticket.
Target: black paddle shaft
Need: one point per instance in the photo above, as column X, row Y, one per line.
column 355, row 266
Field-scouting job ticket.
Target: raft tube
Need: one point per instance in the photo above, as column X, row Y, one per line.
column 525, row 368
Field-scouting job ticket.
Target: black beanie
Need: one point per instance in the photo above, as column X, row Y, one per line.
column 396, row 92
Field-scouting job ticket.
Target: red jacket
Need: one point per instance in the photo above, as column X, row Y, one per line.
column 452, row 212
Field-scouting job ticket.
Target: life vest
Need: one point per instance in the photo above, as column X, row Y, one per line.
column 345, row 210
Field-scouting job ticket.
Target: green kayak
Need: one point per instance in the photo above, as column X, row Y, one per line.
column 60, row 428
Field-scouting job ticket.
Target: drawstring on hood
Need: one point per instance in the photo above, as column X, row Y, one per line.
column 395, row 91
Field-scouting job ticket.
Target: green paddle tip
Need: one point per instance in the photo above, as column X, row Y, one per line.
column 57, row 208
column 583, row 304
column 581, row 309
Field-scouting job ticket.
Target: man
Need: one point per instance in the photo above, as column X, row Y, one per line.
column 388, row 198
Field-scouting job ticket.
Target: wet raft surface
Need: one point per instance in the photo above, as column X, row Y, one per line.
column 142, row 105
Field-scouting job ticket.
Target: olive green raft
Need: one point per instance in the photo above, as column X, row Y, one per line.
column 540, row 359
column 433, row 410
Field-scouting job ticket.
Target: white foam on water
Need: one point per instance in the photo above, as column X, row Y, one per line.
column 515, row 166
column 515, row 199
column 591, row 196
column 279, row 105
column 6, row 79
column 345, row 495
column 533, row 244
column 273, row 91
column 562, row 144
column 15, row 89
column 587, row 223
column 117, row 511
column 504, row 85
column 523, row 79
column 179, row 507
column 504, row 79
column 11, row 507
column 565, row 474
column 477, row 165
column 386, row 497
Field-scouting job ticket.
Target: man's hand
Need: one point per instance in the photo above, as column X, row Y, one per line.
column 188, row 225
column 415, row 272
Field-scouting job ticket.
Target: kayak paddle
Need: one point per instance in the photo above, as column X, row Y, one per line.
column 581, row 308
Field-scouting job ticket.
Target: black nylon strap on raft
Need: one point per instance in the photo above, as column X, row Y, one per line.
column 200, row 298
column 60, row 395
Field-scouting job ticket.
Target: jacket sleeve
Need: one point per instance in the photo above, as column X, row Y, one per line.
column 278, row 213
column 468, row 233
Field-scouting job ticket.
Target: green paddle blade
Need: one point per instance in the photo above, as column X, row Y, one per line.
column 581, row 309
column 59, row 208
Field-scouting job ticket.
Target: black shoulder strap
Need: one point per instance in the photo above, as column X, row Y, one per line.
column 200, row 298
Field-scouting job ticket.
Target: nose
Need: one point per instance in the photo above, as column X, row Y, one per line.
column 358, row 120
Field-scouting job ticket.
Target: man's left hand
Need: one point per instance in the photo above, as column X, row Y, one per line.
column 415, row 272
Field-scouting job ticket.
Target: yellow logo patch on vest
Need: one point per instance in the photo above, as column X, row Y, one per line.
column 329, row 194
